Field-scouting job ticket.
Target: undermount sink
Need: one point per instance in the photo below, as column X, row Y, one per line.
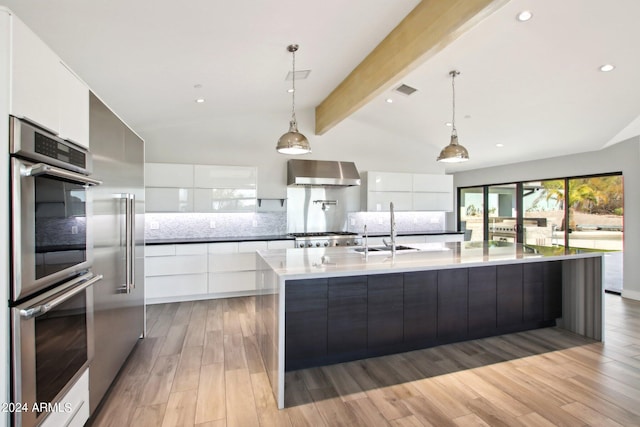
column 387, row 248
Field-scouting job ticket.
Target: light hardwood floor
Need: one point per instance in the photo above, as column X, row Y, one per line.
column 199, row 366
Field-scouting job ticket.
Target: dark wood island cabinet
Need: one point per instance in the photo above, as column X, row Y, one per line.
column 329, row 305
column 347, row 318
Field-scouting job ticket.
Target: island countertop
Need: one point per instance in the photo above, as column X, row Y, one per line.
column 327, row 305
column 300, row 263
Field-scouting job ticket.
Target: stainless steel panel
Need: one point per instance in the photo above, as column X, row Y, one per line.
column 322, row 173
column 119, row 317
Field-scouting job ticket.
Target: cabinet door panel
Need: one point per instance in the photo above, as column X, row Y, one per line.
column 378, row 201
column 385, row 310
column 509, row 293
column 389, row 181
column 533, row 292
column 347, row 311
column 552, row 290
column 432, row 183
column 482, row 300
column 420, row 306
column 73, row 100
column 432, row 202
column 34, row 75
column 305, row 320
column 452, row 304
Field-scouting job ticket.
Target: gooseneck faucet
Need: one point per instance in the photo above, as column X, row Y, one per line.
column 393, row 231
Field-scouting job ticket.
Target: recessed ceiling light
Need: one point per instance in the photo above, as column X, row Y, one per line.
column 524, row 16
column 389, row 101
column 607, row 67
column 290, row 90
column 200, row 100
column 499, row 145
column 448, row 124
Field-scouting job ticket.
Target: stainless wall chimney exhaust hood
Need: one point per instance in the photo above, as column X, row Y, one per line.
column 321, row 173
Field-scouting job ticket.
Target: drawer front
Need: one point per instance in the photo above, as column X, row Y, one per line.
column 223, row 248
column 239, row 281
column 191, row 249
column 232, row 262
column 159, row 250
column 174, row 286
column 281, row 244
column 252, row 246
column 184, row 264
column 77, row 398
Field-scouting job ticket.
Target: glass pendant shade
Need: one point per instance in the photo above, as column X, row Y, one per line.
column 454, row 152
column 293, row 142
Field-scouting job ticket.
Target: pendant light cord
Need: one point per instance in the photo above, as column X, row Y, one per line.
column 293, row 87
column 453, row 89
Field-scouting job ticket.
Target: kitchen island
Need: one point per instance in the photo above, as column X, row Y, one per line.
column 329, row 305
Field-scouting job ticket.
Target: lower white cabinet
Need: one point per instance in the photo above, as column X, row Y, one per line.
column 185, row 272
column 74, row 406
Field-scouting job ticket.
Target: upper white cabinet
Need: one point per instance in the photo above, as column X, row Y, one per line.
column 389, row 181
column 408, row 192
column 200, row 188
column 432, row 192
column 73, row 102
column 44, row 90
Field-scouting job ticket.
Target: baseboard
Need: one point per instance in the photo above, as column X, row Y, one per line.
column 635, row 295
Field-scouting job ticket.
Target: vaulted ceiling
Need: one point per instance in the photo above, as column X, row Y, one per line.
column 535, row 87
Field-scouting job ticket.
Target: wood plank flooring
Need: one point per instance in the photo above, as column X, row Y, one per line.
column 199, row 366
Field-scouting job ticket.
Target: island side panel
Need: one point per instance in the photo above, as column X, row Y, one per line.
column 268, row 326
column 582, row 297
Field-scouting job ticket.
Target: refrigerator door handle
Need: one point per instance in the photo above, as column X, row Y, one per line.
column 132, row 241
column 129, row 241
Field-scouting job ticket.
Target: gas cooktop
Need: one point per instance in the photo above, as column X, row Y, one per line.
column 327, row 238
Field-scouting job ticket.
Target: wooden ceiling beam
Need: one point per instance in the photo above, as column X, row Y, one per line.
column 427, row 29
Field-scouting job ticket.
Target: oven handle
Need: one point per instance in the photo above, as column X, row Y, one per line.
column 44, row 169
column 42, row 309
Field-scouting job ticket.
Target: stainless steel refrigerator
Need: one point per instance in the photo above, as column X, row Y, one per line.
column 118, row 205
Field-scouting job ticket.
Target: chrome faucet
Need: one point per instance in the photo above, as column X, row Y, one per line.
column 393, row 231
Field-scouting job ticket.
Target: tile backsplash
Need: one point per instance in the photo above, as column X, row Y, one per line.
column 406, row 222
column 203, row 225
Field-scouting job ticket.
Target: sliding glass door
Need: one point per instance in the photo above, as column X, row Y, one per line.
column 584, row 213
column 543, row 213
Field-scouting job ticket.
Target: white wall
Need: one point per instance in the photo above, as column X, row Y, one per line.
column 623, row 157
column 4, row 214
column 232, row 140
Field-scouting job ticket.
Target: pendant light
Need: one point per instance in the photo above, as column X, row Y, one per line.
column 293, row 142
column 454, row 152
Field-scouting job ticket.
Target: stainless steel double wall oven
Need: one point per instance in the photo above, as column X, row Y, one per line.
column 51, row 281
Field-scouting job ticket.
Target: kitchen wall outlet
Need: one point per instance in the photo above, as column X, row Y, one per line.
column 74, row 229
column 353, row 221
column 212, row 224
column 379, row 221
column 154, row 225
column 255, row 222
column 415, row 220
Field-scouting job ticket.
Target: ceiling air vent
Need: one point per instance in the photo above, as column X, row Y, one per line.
column 405, row 89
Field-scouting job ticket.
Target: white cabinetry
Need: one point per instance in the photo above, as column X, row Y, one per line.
column 169, row 187
column 198, row 271
column 432, row 192
column 175, row 272
column 232, row 266
column 408, row 192
column 44, row 90
column 77, row 400
column 200, row 188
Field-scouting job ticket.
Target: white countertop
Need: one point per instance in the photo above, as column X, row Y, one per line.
column 331, row 262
